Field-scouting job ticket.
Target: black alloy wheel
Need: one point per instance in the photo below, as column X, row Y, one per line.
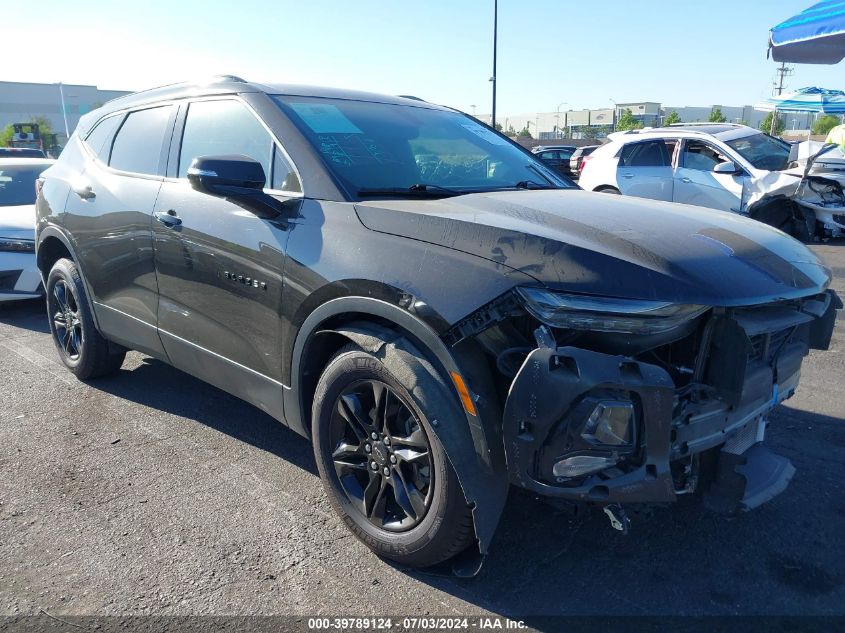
column 63, row 306
column 382, row 456
column 81, row 347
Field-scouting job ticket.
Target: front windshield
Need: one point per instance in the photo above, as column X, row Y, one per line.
column 376, row 148
column 17, row 184
column 762, row 151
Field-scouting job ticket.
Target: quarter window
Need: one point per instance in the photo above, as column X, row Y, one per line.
column 284, row 176
column 137, row 146
column 215, row 128
column 100, row 138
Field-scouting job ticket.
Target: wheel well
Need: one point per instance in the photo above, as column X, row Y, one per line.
column 325, row 343
column 50, row 251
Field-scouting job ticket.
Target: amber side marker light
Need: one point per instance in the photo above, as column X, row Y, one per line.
column 463, row 392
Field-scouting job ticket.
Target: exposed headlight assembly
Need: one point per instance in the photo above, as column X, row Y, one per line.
column 606, row 314
column 15, row 245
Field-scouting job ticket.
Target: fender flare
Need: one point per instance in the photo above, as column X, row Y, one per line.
column 54, row 232
column 478, row 463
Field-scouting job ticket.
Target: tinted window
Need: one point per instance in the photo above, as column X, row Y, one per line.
column 284, row 177
column 17, row 184
column 220, row 128
column 99, row 140
column 137, row 147
column 647, row 154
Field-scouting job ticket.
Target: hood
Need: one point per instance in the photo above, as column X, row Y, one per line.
column 18, row 218
column 613, row 246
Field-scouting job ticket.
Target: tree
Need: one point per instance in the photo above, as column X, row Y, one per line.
column 628, row 121
column 525, row 132
column 498, row 127
column 672, row 117
column 766, row 125
column 716, row 116
column 825, row 124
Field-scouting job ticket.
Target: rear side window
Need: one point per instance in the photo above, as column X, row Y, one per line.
column 215, row 128
column 646, row 154
column 137, row 146
column 100, row 138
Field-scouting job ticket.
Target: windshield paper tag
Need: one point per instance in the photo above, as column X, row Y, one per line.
column 483, row 132
column 325, row 118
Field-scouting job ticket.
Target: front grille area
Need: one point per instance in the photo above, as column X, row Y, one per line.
column 765, row 346
column 8, row 279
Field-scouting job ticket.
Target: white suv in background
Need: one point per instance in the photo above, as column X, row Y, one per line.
column 19, row 275
column 722, row 166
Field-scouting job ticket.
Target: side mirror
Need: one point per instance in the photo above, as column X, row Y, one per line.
column 728, row 167
column 239, row 179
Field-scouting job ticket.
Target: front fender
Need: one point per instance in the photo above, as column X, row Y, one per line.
column 476, row 455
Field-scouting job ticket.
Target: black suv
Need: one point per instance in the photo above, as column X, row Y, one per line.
column 437, row 310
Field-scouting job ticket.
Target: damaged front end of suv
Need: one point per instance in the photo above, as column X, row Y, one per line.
column 806, row 200
column 655, row 377
column 620, row 401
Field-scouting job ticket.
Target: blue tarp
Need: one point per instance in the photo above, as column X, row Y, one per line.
column 814, row 36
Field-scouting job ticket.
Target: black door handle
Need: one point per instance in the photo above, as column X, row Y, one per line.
column 168, row 218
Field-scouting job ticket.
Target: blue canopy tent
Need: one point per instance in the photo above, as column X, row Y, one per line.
column 816, row 100
column 814, row 36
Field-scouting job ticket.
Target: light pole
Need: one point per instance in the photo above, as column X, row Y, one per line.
column 64, row 110
column 473, row 109
column 495, row 34
column 615, row 109
column 557, row 117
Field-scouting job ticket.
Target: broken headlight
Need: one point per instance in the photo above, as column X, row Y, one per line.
column 606, row 314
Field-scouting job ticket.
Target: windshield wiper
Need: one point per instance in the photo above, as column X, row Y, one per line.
column 531, row 184
column 418, row 189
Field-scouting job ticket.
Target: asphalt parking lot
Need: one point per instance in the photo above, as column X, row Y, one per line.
column 150, row 492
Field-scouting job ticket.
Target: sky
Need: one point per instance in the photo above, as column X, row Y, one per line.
column 569, row 54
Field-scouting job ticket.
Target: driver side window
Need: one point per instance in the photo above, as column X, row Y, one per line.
column 220, row 128
column 701, row 156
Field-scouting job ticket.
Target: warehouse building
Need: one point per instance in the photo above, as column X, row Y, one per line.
column 20, row 102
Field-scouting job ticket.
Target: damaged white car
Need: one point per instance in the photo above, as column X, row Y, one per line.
column 796, row 188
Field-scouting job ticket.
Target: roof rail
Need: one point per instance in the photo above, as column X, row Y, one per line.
column 696, row 124
column 411, row 97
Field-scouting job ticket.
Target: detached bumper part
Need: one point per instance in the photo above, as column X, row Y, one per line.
column 746, row 481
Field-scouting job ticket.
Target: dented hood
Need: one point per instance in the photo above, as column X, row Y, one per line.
column 614, row 246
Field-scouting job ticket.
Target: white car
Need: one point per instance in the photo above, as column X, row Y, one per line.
column 19, row 276
column 727, row 167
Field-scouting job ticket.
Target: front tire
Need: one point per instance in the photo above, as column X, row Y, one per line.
column 384, row 470
column 81, row 347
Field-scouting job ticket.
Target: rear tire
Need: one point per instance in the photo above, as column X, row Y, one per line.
column 397, row 492
column 610, row 190
column 81, row 347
